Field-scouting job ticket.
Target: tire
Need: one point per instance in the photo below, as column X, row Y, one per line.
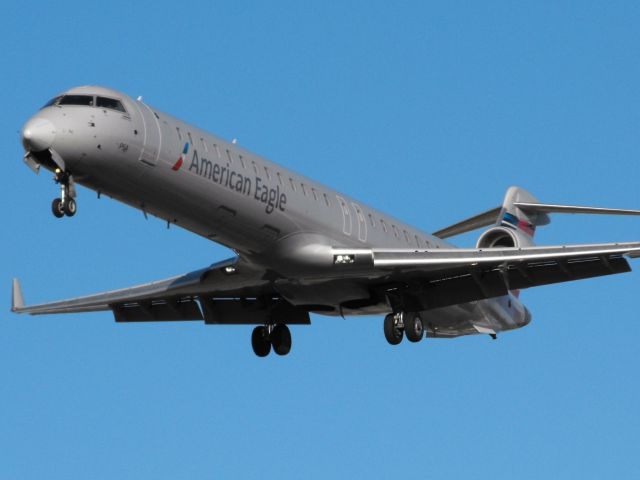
column 57, row 208
column 281, row 339
column 260, row 342
column 70, row 207
column 413, row 327
column 392, row 333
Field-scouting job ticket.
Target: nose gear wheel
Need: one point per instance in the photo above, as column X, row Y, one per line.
column 66, row 204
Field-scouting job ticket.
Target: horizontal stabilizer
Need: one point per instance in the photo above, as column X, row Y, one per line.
column 551, row 208
column 520, row 208
column 470, row 224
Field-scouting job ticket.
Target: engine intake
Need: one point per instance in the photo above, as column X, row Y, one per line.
column 502, row 237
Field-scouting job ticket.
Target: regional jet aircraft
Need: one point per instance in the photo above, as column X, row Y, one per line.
column 300, row 247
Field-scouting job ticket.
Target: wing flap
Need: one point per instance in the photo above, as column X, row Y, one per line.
column 466, row 285
column 158, row 311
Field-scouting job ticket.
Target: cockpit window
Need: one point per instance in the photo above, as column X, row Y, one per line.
column 110, row 103
column 86, row 100
column 53, row 101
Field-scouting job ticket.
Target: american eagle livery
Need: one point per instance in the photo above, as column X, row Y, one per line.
column 300, row 246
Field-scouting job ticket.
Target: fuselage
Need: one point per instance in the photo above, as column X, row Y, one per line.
column 269, row 215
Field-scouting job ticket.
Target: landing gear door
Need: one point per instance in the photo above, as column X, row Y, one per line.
column 152, row 136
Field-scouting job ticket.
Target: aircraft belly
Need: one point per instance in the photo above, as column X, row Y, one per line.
column 473, row 318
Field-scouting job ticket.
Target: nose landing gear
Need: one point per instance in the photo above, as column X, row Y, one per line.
column 66, row 204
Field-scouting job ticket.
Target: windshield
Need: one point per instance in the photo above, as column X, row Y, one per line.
column 111, row 103
column 86, row 100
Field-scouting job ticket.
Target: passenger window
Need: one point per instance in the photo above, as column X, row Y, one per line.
column 372, row 221
column 279, row 178
column 266, row 170
column 111, row 103
column 85, row 100
column 190, row 139
column 304, row 190
column 241, row 161
column 293, row 184
column 326, row 199
column 406, row 236
column 315, row 195
column 229, row 156
column 395, row 231
column 206, row 148
column 179, row 133
column 215, row 145
column 384, row 225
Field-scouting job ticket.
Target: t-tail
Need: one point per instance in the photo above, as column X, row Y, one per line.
column 520, row 219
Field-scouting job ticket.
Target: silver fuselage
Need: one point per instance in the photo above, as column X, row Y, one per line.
column 271, row 216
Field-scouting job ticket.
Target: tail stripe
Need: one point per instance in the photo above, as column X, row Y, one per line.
column 511, row 220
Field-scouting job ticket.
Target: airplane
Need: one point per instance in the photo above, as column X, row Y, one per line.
column 300, row 247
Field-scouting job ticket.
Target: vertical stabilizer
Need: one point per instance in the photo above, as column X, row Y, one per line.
column 513, row 217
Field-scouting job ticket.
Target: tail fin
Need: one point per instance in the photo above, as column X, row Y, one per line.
column 513, row 215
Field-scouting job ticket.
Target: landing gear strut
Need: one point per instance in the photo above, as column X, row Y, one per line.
column 65, row 205
column 276, row 336
column 396, row 325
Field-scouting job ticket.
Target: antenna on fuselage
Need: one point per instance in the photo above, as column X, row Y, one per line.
column 234, row 141
column 139, row 98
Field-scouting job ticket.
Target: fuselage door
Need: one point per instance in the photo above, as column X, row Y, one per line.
column 152, row 136
column 362, row 224
column 346, row 215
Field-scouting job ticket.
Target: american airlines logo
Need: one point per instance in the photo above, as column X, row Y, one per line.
column 224, row 175
column 180, row 161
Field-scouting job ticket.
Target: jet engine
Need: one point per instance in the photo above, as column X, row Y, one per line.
column 503, row 237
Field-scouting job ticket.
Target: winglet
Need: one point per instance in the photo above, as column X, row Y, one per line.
column 17, row 300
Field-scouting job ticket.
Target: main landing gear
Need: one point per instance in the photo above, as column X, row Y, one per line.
column 397, row 325
column 66, row 204
column 276, row 336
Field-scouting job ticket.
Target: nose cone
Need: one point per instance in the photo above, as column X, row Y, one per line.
column 38, row 134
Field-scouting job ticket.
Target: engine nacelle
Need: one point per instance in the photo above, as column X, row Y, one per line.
column 503, row 237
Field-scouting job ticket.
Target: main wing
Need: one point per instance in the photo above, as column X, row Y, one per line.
column 440, row 277
column 235, row 292
column 229, row 292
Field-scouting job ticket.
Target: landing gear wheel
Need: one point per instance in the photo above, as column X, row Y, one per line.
column 281, row 339
column 70, row 207
column 414, row 327
column 57, row 208
column 392, row 331
column 260, row 341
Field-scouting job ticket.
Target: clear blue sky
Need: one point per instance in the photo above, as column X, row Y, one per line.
column 427, row 110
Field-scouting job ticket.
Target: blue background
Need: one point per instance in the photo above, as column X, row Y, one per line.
column 426, row 110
